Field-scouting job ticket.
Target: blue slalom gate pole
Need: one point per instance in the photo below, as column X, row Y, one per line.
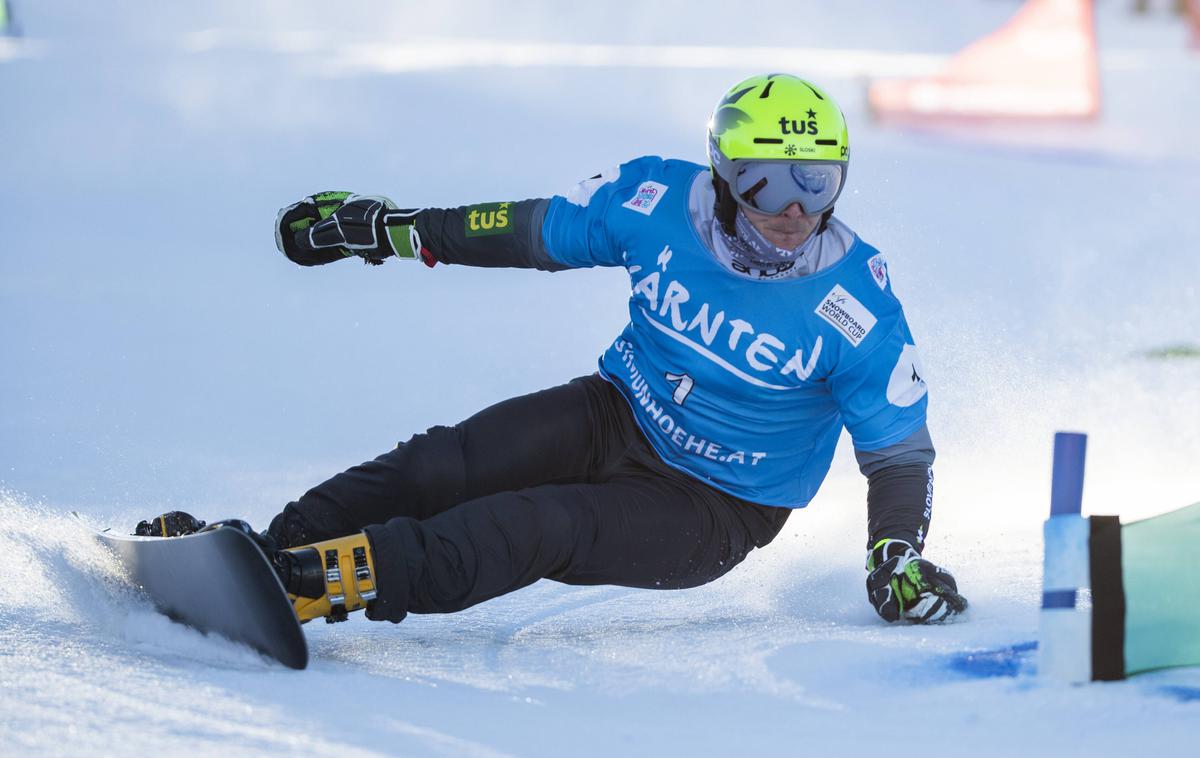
column 1066, row 485
column 1065, row 635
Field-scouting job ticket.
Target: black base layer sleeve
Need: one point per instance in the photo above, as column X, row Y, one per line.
column 900, row 504
column 494, row 235
column 1108, row 599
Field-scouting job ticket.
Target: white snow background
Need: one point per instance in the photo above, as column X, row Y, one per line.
column 156, row 352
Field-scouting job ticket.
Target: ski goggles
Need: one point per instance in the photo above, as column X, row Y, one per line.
column 771, row 186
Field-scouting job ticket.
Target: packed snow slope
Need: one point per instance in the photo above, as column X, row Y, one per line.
column 158, row 353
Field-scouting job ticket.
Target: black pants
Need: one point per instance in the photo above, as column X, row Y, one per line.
column 559, row 484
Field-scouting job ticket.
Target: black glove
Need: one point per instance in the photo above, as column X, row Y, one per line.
column 172, row 524
column 330, row 226
column 902, row 584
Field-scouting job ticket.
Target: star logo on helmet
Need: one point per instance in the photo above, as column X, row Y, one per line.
column 789, row 150
column 812, row 113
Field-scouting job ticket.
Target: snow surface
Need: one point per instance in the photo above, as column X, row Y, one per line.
column 157, row 353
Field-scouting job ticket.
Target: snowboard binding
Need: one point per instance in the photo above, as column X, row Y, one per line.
column 328, row 579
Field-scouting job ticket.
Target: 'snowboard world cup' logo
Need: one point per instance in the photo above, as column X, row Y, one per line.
column 846, row 314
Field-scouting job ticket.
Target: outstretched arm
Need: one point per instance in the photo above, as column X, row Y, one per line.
column 330, row 226
column 551, row 234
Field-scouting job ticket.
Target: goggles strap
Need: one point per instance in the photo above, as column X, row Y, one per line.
column 748, row 195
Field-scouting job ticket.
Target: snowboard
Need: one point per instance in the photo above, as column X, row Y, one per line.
column 217, row 581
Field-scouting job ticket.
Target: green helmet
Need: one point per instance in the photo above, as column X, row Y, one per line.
column 775, row 139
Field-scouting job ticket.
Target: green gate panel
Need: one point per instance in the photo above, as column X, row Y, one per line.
column 1162, row 590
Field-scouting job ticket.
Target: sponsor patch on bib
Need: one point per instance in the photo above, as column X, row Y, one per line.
column 878, row 270
column 905, row 386
column 647, row 196
column 846, row 314
column 581, row 194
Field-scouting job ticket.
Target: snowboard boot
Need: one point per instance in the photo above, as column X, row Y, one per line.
column 328, row 579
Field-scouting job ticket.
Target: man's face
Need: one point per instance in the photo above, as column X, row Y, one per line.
column 788, row 229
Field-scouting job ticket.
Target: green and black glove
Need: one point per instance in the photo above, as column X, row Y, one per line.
column 330, row 226
column 903, row 585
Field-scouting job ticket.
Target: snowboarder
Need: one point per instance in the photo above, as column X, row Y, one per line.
column 760, row 326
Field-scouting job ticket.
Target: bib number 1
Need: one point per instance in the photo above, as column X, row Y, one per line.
column 683, row 385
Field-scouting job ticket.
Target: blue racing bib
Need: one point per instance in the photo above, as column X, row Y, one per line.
column 744, row 384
